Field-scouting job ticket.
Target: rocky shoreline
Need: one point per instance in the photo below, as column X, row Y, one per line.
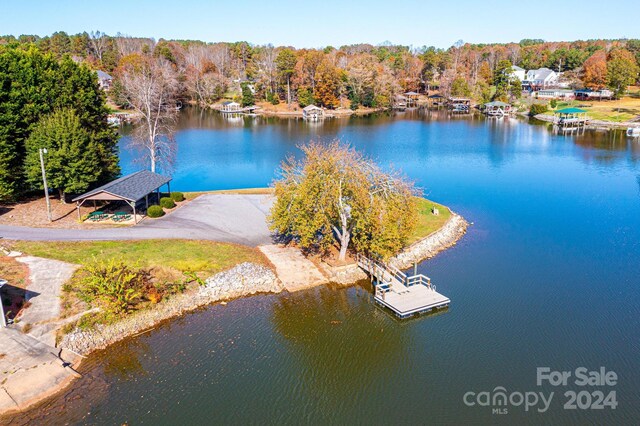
column 248, row 279
column 433, row 244
column 245, row 279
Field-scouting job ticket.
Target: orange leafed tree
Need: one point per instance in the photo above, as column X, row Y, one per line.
column 595, row 71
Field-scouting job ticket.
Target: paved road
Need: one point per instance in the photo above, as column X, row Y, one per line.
column 220, row 217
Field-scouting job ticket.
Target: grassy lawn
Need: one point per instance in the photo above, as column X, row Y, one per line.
column 617, row 111
column 204, row 257
column 428, row 222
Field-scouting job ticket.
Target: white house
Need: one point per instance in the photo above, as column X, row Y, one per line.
column 540, row 78
column 517, row 72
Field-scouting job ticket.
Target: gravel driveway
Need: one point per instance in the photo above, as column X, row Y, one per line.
column 234, row 218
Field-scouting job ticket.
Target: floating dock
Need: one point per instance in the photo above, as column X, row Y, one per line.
column 404, row 295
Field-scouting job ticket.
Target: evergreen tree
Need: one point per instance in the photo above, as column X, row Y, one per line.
column 72, row 159
column 33, row 85
column 247, row 95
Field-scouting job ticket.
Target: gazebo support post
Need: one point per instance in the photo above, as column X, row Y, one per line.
column 135, row 216
column 146, row 200
column 169, row 188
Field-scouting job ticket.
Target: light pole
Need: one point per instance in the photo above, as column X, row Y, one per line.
column 44, row 180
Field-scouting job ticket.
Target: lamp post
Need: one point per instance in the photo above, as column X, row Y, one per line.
column 44, row 180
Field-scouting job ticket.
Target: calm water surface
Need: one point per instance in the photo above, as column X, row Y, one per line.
column 546, row 276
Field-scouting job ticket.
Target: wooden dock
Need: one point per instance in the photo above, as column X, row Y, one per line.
column 403, row 295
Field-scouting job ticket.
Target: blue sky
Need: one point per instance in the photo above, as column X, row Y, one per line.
column 320, row 23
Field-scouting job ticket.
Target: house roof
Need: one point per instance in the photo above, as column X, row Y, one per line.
column 517, row 68
column 542, row 73
column 570, row 111
column 130, row 187
column 103, row 75
column 310, row 108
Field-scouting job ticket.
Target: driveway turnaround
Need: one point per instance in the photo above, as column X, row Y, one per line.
column 233, row 218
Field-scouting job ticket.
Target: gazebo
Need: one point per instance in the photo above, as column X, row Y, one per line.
column 571, row 117
column 130, row 189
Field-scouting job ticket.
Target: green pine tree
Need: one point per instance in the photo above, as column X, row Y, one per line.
column 72, row 161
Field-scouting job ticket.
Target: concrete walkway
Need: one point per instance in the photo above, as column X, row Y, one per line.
column 294, row 270
column 29, row 369
column 43, row 293
column 234, row 218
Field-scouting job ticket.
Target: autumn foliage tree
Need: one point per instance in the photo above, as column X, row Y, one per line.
column 622, row 70
column 595, row 71
column 334, row 195
column 327, row 85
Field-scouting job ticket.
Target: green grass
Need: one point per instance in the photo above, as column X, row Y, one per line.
column 206, row 257
column 427, row 221
column 616, row 111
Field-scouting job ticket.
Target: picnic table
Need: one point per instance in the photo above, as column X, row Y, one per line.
column 121, row 216
column 97, row 216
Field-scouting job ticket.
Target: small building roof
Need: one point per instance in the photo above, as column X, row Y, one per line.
column 230, row 103
column 517, row 68
column 103, row 75
column 571, row 111
column 436, row 96
column 131, row 187
column 311, row 108
column 412, row 93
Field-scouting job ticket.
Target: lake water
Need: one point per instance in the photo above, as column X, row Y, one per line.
column 547, row 276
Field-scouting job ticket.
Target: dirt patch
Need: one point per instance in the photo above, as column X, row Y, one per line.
column 13, row 296
column 32, row 212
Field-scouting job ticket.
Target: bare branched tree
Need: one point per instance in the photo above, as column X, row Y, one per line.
column 150, row 87
column 98, row 43
column 128, row 45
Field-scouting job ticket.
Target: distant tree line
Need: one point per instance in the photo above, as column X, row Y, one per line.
column 359, row 75
column 40, row 76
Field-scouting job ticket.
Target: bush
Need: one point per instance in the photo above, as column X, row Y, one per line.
column 538, row 109
column 553, row 103
column 155, row 211
column 117, row 285
column 167, row 203
column 177, row 196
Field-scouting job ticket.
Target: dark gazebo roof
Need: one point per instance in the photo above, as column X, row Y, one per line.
column 131, row 187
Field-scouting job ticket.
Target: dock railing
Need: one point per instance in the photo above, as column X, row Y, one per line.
column 382, row 275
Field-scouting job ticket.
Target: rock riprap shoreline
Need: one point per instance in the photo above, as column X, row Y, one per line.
column 243, row 280
column 433, row 244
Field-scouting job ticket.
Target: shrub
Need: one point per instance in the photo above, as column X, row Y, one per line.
column 538, row 109
column 155, row 211
column 167, row 203
column 553, row 103
column 177, row 196
column 117, row 285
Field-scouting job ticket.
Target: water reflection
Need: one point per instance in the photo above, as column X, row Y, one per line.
column 372, row 346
